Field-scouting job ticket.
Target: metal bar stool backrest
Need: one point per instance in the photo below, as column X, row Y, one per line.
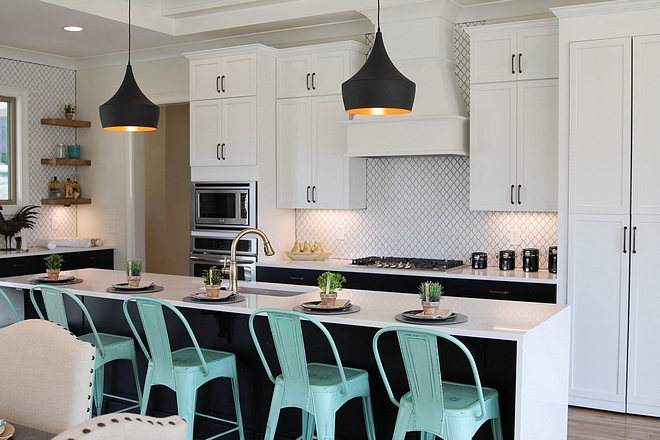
column 11, row 306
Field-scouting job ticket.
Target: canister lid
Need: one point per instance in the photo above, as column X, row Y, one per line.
column 553, row 250
column 530, row 251
column 507, row 253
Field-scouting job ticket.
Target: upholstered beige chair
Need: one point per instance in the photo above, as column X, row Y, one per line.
column 45, row 376
column 115, row 426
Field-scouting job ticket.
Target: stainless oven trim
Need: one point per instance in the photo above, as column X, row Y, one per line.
column 227, row 235
column 249, row 269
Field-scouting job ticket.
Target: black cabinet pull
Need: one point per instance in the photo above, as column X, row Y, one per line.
column 519, row 63
column 217, row 84
column 513, row 61
column 222, row 83
column 218, row 155
column 314, row 194
column 314, row 81
column 519, row 201
column 223, row 151
column 512, row 202
column 625, row 235
column 308, row 196
column 308, row 76
column 634, row 240
column 297, row 278
column 499, row 292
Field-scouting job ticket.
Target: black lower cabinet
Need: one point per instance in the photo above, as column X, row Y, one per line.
column 500, row 290
column 19, row 266
column 33, row 264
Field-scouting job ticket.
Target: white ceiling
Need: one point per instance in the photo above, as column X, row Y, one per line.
column 36, row 25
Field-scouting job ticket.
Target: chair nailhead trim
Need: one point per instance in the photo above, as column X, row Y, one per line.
column 114, row 421
column 100, row 425
column 86, row 431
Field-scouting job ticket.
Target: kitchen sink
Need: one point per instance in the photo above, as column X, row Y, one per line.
column 275, row 290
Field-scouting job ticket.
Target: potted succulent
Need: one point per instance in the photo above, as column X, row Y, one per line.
column 329, row 283
column 53, row 266
column 133, row 272
column 430, row 293
column 69, row 110
column 212, row 279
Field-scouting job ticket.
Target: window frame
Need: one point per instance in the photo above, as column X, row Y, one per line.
column 11, row 148
column 21, row 145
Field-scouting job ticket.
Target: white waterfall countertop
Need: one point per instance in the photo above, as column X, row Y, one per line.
column 540, row 332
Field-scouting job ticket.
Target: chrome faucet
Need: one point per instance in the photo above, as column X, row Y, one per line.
column 233, row 268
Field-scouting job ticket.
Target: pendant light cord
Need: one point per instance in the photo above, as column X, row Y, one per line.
column 129, row 32
column 378, row 15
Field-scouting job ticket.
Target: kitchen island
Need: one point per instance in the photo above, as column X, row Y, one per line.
column 520, row 348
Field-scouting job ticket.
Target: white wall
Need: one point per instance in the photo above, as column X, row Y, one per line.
column 118, row 157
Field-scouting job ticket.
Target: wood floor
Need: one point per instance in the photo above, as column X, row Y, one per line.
column 588, row 424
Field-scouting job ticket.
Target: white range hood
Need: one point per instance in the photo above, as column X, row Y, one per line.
column 419, row 39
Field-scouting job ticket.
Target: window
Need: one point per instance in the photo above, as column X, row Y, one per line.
column 7, row 150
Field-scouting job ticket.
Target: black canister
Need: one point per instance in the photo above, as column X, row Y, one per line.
column 479, row 260
column 552, row 259
column 507, row 260
column 530, row 261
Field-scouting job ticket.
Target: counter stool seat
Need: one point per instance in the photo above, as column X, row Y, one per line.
column 109, row 347
column 432, row 406
column 183, row 370
column 318, row 389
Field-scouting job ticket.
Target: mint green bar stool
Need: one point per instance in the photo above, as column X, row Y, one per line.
column 183, row 370
column 11, row 306
column 109, row 347
column 318, row 389
column 452, row 411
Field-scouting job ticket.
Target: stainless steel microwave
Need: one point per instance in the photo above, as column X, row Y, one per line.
column 223, row 205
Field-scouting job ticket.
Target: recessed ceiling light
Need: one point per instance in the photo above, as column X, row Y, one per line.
column 73, row 28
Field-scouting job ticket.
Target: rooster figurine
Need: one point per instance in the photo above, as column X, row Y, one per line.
column 24, row 218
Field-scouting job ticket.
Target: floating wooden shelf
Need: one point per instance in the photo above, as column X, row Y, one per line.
column 66, row 122
column 75, row 162
column 66, row 202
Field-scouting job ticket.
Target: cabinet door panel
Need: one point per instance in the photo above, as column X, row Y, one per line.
column 294, row 136
column 204, row 79
column 646, row 125
column 239, row 75
column 239, row 131
column 537, row 143
column 330, row 69
column 205, row 132
column 491, row 57
column 540, row 53
column 644, row 356
column 599, row 140
column 492, row 146
column 292, row 76
column 597, row 294
column 330, row 177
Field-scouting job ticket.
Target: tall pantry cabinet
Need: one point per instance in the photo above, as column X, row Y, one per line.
column 614, row 223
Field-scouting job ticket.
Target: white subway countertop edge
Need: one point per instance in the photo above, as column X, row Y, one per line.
column 45, row 251
column 463, row 272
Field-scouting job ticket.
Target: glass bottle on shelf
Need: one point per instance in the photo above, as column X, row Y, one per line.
column 55, row 188
column 77, row 192
column 60, row 151
column 68, row 189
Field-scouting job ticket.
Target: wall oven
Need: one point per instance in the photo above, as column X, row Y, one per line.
column 223, row 205
column 209, row 249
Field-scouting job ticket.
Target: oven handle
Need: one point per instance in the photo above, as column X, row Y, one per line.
column 239, row 261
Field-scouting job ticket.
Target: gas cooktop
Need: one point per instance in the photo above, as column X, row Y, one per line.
column 407, row 263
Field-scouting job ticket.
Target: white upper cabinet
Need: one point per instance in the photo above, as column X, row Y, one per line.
column 514, row 118
column 517, row 51
column 317, row 70
column 223, row 77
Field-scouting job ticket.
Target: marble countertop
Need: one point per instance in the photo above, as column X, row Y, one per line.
column 465, row 271
column 35, row 250
column 507, row 320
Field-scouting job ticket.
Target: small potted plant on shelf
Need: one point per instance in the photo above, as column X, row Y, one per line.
column 53, row 266
column 212, row 280
column 329, row 283
column 69, row 110
column 133, row 272
column 430, row 293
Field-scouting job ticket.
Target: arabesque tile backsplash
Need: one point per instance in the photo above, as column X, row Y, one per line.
column 420, row 207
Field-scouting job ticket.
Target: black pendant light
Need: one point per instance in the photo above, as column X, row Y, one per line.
column 378, row 88
column 129, row 109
